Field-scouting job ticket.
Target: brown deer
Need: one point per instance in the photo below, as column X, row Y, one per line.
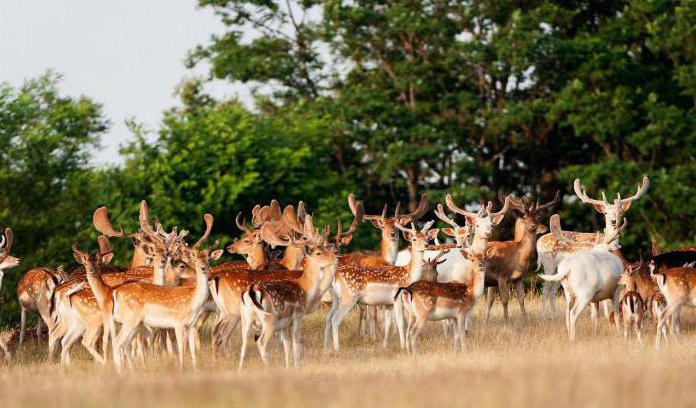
column 508, row 261
column 34, row 292
column 551, row 250
column 164, row 307
column 278, row 306
column 376, row 285
column 631, row 306
column 7, row 261
column 678, row 286
column 429, row 300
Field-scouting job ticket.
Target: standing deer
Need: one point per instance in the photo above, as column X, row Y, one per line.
column 587, row 277
column 551, row 250
column 278, row 306
column 631, row 306
column 508, row 261
column 678, row 286
column 7, row 261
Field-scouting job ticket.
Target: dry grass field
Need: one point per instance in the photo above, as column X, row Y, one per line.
column 505, row 365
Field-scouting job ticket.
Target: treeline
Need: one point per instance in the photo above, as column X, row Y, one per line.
column 384, row 99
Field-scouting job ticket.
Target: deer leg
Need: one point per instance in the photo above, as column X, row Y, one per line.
column 180, row 333
column 247, row 320
column 490, row 298
column 89, row 339
column 5, row 350
column 285, row 339
column 68, row 340
column 578, row 307
column 637, row 329
column 388, row 313
column 342, row 311
column 415, row 331
column 399, row 320
column 22, row 325
column 593, row 315
column 335, row 301
column 504, row 291
column 38, row 329
column 519, row 294
column 461, row 326
column 297, row 339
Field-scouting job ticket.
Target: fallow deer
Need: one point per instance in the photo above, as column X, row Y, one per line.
column 377, row 285
column 550, row 250
column 34, row 292
column 428, row 301
column 587, row 277
column 631, row 306
column 678, row 286
column 164, row 307
column 508, row 261
column 278, row 306
column 7, row 261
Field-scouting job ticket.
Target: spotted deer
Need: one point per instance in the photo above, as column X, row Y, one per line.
column 7, row 261
column 278, row 306
column 631, row 306
column 551, row 250
column 377, row 285
column 678, row 286
column 508, row 261
column 431, row 301
column 34, row 292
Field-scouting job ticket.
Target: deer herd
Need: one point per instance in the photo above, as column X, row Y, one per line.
column 170, row 288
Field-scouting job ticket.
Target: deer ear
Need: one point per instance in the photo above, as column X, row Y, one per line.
column 497, row 219
column 376, row 222
column 626, row 205
column 449, row 231
column 433, row 233
column 599, row 207
column 542, row 229
column 215, row 255
column 407, row 236
column 107, row 258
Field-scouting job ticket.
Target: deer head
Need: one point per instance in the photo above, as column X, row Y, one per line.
column 463, row 235
column 484, row 219
column 387, row 224
column 613, row 212
column 418, row 239
column 7, row 261
column 356, row 208
column 195, row 257
column 528, row 213
column 429, row 272
column 252, row 241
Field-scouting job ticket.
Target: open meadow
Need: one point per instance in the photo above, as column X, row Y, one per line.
column 504, row 365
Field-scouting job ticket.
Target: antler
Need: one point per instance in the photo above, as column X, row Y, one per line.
column 582, row 195
column 7, row 239
column 375, row 217
column 503, row 210
column 398, row 225
column 440, row 213
column 642, row 189
column 104, row 245
column 241, row 225
column 103, row 225
column 515, row 203
column 208, row 218
column 452, row 206
column 417, row 213
column 552, row 203
column 358, row 211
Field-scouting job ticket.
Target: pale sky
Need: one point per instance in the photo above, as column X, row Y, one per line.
column 125, row 54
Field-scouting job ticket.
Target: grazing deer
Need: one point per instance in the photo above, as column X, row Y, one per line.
column 377, row 285
column 7, row 261
column 164, row 307
column 428, row 300
column 508, row 261
column 587, row 277
column 278, row 306
column 551, row 249
column 678, row 286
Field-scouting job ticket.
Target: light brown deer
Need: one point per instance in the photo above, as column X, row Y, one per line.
column 508, row 261
column 431, row 301
column 278, row 306
column 631, row 306
column 678, row 286
column 551, row 250
column 377, row 285
column 7, row 261
column 164, row 307
column 34, row 292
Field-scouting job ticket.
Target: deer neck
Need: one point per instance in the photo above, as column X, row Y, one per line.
column 415, row 266
column 200, row 294
column 477, row 278
column 310, row 281
column 292, row 258
column 159, row 271
column 97, row 285
column 139, row 259
column 479, row 243
column 389, row 249
column 609, row 230
column 257, row 257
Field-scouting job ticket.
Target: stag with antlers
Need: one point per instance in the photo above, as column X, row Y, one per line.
column 551, row 249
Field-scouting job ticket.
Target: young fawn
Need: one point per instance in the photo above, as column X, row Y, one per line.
column 631, row 306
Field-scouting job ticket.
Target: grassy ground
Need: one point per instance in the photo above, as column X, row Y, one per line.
column 514, row 364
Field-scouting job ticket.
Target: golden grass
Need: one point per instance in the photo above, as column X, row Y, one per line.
column 513, row 365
